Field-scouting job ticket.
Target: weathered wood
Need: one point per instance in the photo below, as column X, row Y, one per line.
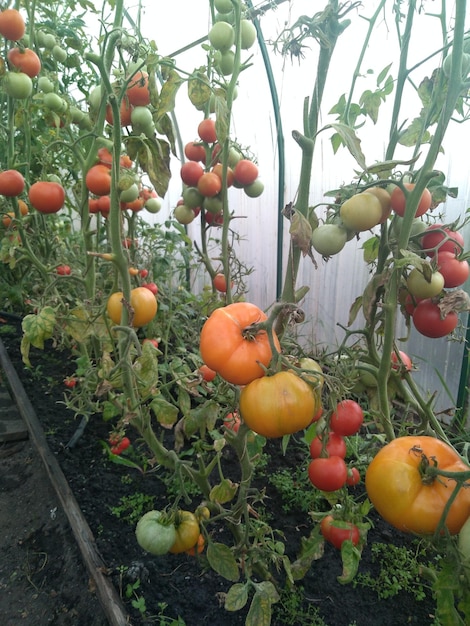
column 107, row 594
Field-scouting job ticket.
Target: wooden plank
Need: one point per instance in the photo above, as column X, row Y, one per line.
column 107, row 594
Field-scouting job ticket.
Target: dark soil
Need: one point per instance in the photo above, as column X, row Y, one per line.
column 42, row 577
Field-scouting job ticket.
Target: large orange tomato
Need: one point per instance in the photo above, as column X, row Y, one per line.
column 274, row 406
column 395, row 486
column 142, row 301
column 232, row 351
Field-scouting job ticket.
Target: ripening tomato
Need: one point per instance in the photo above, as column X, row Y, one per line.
column 63, row 270
column 220, row 283
column 207, row 374
column 191, row 172
column 209, row 184
column 245, row 172
column 47, row 196
column 125, row 112
column 437, row 237
column 138, row 93
column 347, row 418
column 401, row 361
column 151, row 286
column 278, row 405
column 328, row 474
column 142, row 301
column 187, row 532
column 214, row 219
column 229, row 347
column 25, row 60
column 354, row 477
column 11, row 183
column 337, row 532
column 195, row 152
column 428, row 320
column 455, row 272
column 398, row 200
column 396, row 487
column 385, row 201
column 361, row 212
column 218, row 170
column 206, row 130
column 330, row 444
column 12, row 25
column 232, row 422
column 98, row 180
column 155, row 533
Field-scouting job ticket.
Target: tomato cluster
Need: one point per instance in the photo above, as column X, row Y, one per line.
column 204, row 176
column 118, row 443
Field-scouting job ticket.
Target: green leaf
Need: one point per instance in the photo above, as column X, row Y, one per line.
column 110, row 411
column 351, row 557
column 223, row 492
column 222, row 561
column 39, row 327
column 260, row 610
column 166, row 413
column 311, row 549
column 184, row 400
column 415, row 133
column 166, row 101
column 199, row 90
column 154, row 157
column 222, row 119
column 236, row 598
column 201, row 418
column 146, row 369
column 351, row 141
column 371, row 102
column 371, row 249
column 354, row 310
column 383, row 74
column 266, row 587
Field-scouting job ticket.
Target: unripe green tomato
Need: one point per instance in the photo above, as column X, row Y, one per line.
column 222, row 36
column 225, row 17
column 95, row 97
column 25, row 40
column 41, row 38
column 54, row 102
column 446, row 66
column 255, row 189
column 192, row 198
column 329, row 239
column 130, row 194
column 248, row 34
column 17, row 85
column 234, row 156
column 59, row 54
column 464, row 544
column 45, row 85
column 49, row 41
column 223, row 6
column 76, row 115
column 214, row 205
column 421, row 288
column 226, row 62
column 141, row 116
column 153, row 205
column 183, row 214
column 361, row 212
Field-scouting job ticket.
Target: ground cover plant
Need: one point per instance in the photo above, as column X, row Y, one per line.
column 193, row 376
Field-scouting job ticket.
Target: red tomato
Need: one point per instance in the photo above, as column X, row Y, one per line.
column 207, row 373
column 206, row 131
column 232, row 422
column 353, row 477
column 191, row 172
column 455, row 272
column 125, row 111
column 334, row 446
column 104, row 205
column 98, row 180
column 428, row 320
column 398, row 200
column 209, row 184
column 218, row 170
column 47, row 196
column 347, row 418
column 411, row 303
column 143, row 273
column 195, row 152
column 220, row 283
column 337, row 531
column 25, row 60
column 63, row 270
column 214, row 219
column 444, row 239
column 245, row 172
column 152, row 286
column 328, row 474
column 11, row 183
column 154, row 342
column 70, row 382
column 121, row 446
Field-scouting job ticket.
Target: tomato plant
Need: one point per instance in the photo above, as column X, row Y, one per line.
column 187, row 532
column 155, row 533
column 230, row 346
column 405, row 497
column 143, row 304
column 47, row 196
column 347, row 418
column 328, row 474
column 430, row 322
column 278, row 405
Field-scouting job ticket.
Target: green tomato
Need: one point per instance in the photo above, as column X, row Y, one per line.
column 45, row 85
column 248, row 34
column 130, row 194
column 255, row 189
column 55, row 103
column 222, row 36
column 192, row 198
column 225, row 62
column 329, row 239
column 421, row 288
column 49, row 41
column 214, row 205
column 183, row 214
column 153, row 205
column 95, row 97
column 59, row 54
column 464, row 544
column 154, row 534
column 361, row 212
column 446, row 66
column 223, row 6
column 234, row 156
column 141, row 117
column 17, row 85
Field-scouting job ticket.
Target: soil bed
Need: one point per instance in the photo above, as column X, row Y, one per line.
column 173, row 586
